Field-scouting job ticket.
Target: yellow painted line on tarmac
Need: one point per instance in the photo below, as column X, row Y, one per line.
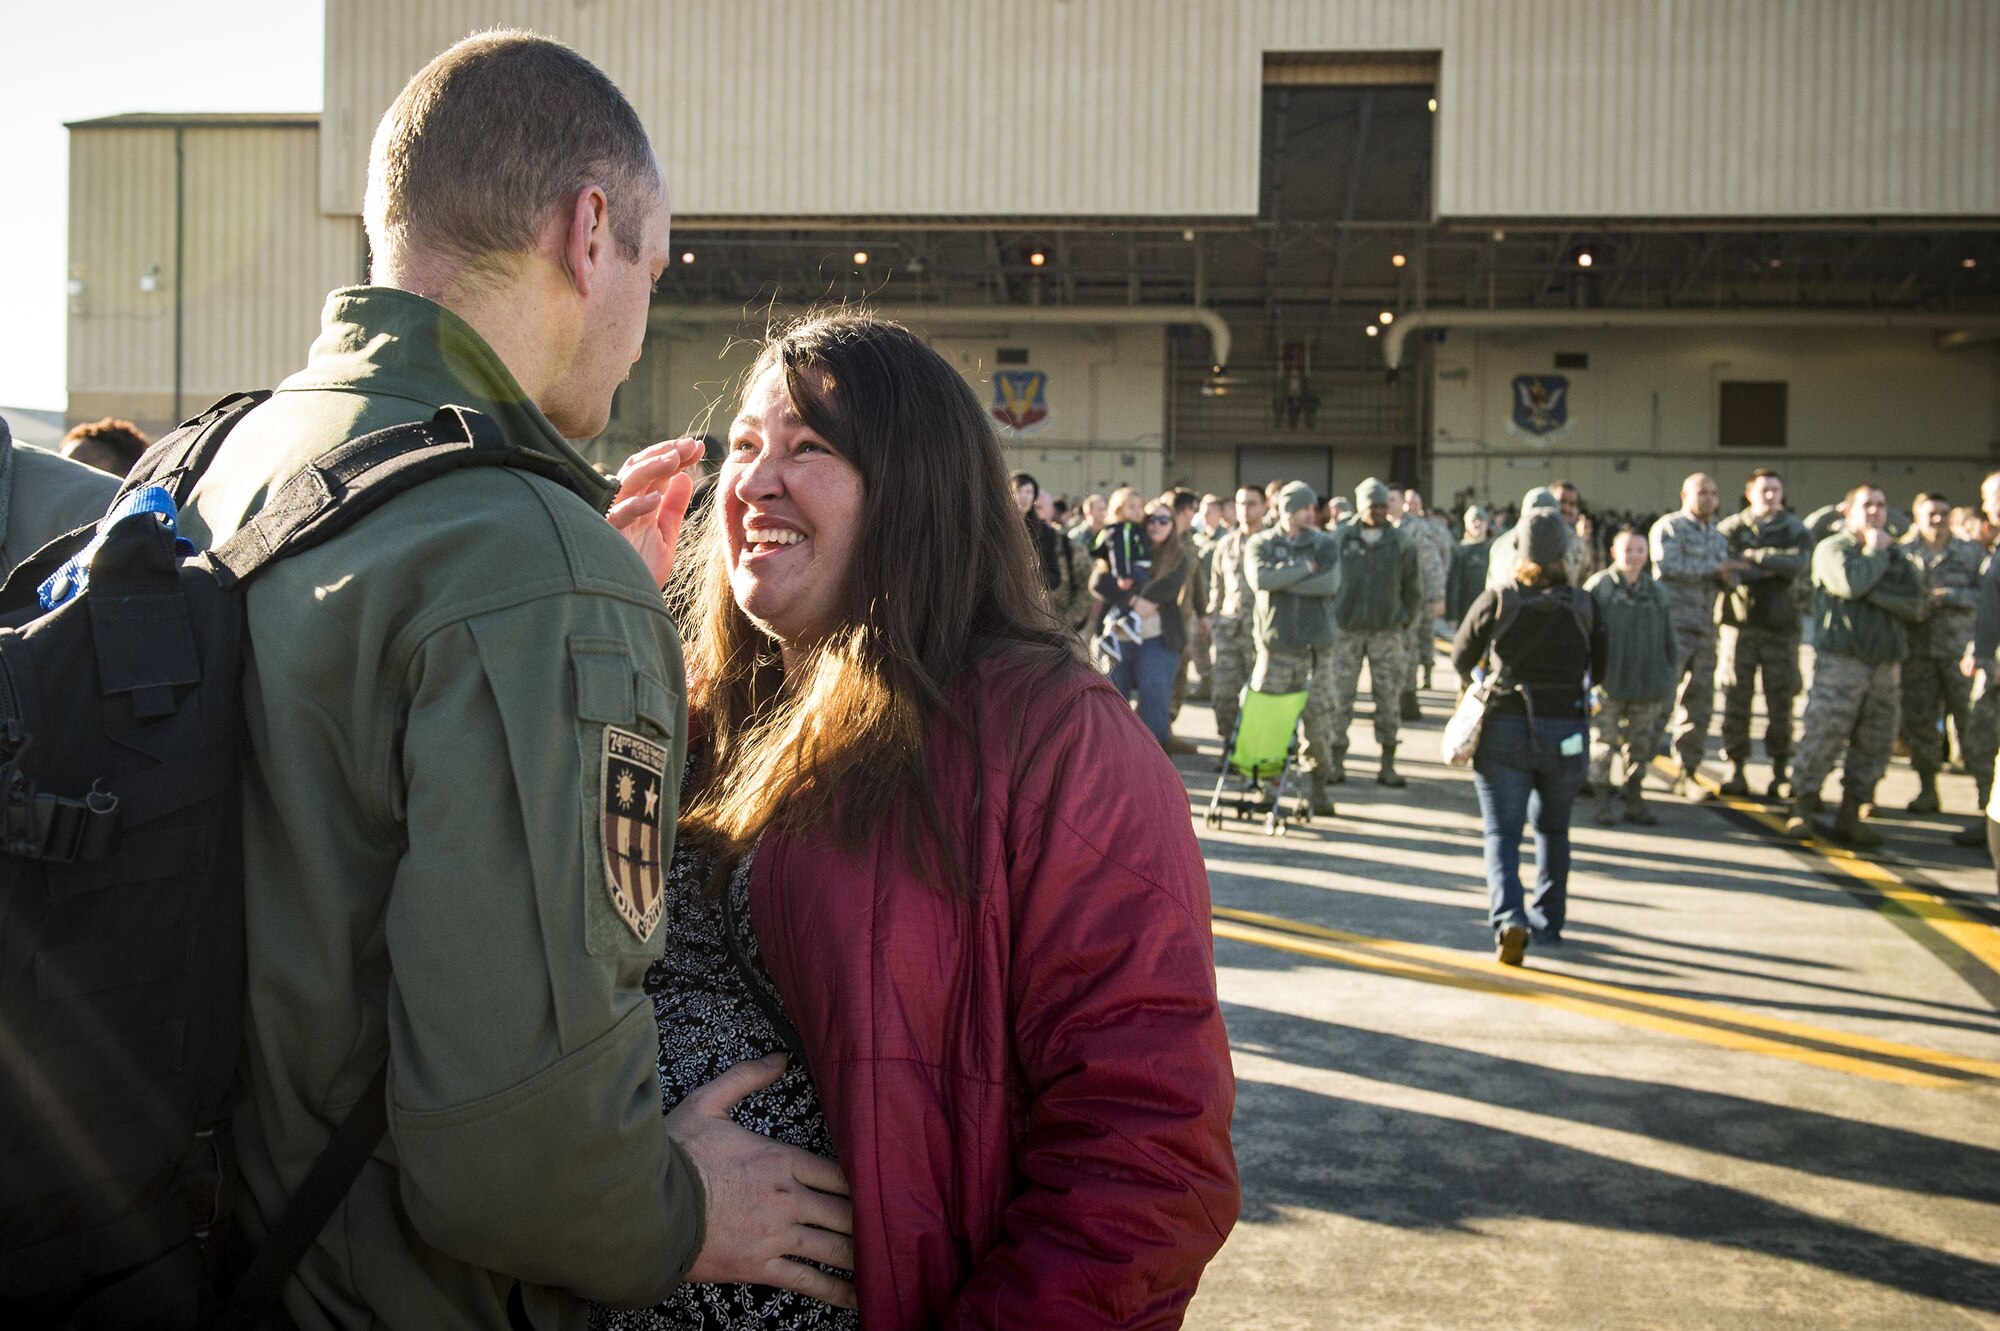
column 1979, row 940
column 1730, row 1028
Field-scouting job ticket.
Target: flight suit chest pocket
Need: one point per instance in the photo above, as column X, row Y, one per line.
column 628, row 806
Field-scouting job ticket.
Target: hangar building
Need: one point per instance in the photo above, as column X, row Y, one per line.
column 1476, row 244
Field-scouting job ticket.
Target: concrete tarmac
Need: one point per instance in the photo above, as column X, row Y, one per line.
column 1755, row 1087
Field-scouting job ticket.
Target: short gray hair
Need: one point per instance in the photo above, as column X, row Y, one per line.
column 493, row 134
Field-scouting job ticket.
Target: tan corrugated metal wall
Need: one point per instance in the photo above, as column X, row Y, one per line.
column 259, row 258
column 1560, row 108
column 121, row 227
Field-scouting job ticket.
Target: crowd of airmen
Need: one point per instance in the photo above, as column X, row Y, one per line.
column 1903, row 610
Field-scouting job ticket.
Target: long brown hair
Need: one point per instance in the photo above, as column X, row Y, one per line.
column 944, row 577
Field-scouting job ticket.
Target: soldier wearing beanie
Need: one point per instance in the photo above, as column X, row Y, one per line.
column 1381, row 593
column 1470, row 559
column 1866, row 594
column 1294, row 568
column 1508, row 550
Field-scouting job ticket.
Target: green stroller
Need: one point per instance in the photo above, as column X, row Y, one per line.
column 1260, row 752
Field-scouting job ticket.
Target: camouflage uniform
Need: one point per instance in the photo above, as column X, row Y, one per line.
column 1310, row 668
column 1633, row 727
column 1861, row 604
column 1381, row 592
column 1686, row 553
column 1231, row 617
column 1387, row 652
column 1760, row 632
column 1932, row 686
column 1294, row 579
column 1852, row 706
column 1434, row 546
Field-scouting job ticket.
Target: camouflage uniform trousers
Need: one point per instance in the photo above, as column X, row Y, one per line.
column 1631, row 727
column 1852, row 707
column 1388, row 654
column 1235, row 654
column 1280, row 671
column 1423, row 648
column 1746, row 653
column 1694, row 699
column 1933, row 690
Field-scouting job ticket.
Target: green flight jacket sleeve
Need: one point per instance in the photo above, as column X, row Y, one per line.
column 524, row 1102
column 1272, row 572
column 1847, row 570
column 1986, row 624
column 1324, row 583
column 1900, row 591
column 1785, row 561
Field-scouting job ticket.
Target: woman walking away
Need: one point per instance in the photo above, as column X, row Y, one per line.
column 1542, row 635
column 903, row 865
column 1145, row 672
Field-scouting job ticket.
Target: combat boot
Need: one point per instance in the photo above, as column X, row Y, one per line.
column 1738, row 782
column 1690, row 789
column 1410, row 708
column 1389, row 776
column 1635, row 802
column 1606, row 816
column 1317, row 799
column 1798, row 823
column 1849, row 827
column 1927, row 796
column 1776, row 790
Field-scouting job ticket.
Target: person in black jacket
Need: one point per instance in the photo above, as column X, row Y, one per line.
column 1533, row 751
column 1046, row 539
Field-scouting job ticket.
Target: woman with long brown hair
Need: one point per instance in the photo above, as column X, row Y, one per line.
column 930, row 853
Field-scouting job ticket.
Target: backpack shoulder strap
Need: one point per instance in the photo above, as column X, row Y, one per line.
column 341, row 487
column 177, row 460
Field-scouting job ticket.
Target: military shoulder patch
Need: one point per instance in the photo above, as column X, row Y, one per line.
column 633, row 781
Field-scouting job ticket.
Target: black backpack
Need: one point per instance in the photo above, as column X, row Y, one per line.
column 121, row 893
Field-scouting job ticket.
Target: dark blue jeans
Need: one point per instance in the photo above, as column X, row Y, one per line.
column 1147, row 669
column 1536, row 783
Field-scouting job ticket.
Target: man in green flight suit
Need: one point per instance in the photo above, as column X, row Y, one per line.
column 462, row 716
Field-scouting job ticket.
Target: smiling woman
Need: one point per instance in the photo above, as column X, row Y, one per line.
column 951, row 873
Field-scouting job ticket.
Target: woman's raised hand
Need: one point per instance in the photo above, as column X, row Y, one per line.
column 654, row 487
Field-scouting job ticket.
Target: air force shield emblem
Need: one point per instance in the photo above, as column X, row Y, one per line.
column 632, row 799
column 1541, row 407
column 1021, row 399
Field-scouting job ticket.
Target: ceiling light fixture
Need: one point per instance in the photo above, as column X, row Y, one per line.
column 860, row 258
column 1387, row 316
column 1372, row 331
column 1584, row 259
column 1398, row 260
column 1038, row 258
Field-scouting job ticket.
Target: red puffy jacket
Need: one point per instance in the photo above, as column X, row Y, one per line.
column 1030, row 1090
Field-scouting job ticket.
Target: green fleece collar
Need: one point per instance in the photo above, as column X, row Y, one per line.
column 386, row 342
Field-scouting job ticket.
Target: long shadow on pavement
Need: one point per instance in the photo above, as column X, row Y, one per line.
column 1801, row 1139
column 1416, row 1170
